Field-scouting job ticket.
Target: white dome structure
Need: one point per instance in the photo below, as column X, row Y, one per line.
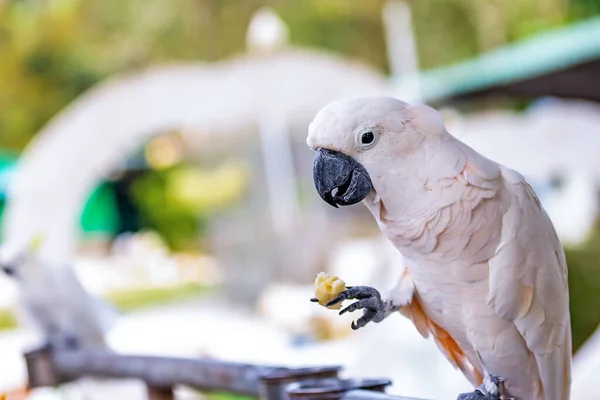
column 88, row 139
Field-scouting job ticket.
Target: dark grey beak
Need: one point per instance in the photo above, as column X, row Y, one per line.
column 340, row 179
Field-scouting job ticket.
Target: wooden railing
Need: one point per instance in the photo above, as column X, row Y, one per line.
column 162, row 374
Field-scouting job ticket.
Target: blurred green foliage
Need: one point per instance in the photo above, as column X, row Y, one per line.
column 131, row 299
column 52, row 51
column 7, row 320
column 226, row 396
column 177, row 225
column 135, row 299
column 178, row 202
column 584, row 288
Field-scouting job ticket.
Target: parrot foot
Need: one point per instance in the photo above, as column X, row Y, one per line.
column 63, row 342
column 490, row 390
column 369, row 300
column 475, row 395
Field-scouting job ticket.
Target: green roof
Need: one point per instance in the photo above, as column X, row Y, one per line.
column 539, row 55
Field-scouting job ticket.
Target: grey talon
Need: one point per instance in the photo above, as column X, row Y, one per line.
column 475, row 395
column 369, row 300
column 481, row 393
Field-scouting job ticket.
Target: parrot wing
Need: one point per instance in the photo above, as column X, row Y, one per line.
column 528, row 285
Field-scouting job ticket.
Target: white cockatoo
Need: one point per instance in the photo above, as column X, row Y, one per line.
column 485, row 273
column 54, row 300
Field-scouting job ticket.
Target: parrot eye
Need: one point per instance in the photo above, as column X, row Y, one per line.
column 367, row 138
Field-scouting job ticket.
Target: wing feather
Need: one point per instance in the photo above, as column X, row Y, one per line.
column 528, row 285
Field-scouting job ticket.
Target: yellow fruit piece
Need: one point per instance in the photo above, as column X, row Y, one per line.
column 328, row 288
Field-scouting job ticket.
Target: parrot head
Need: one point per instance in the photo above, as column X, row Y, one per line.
column 358, row 139
column 8, row 270
column 12, row 261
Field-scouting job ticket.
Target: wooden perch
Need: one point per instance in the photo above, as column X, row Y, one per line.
column 162, row 374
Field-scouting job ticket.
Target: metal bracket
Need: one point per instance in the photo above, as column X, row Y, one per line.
column 333, row 389
column 41, row 370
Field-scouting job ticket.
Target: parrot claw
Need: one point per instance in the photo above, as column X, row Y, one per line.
column 475, row 395
column 62, row 342
column 369, row 300
column 490, row 390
